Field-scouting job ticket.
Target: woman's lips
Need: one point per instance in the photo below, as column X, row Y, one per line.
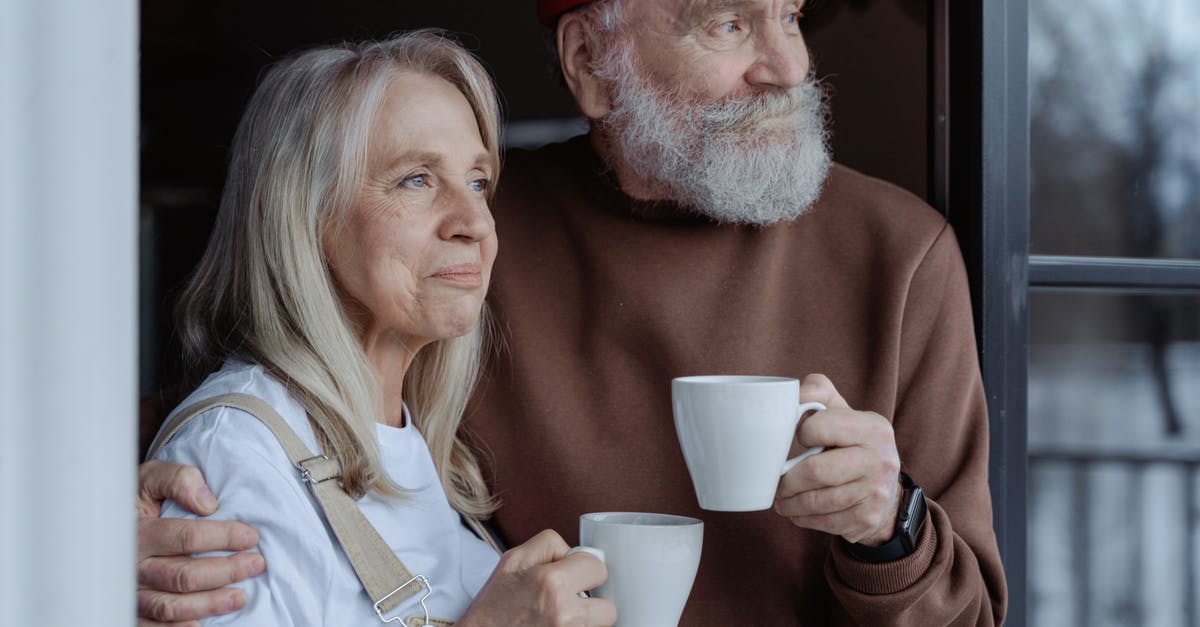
column 466, row 275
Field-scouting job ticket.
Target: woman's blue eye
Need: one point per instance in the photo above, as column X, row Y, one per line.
column 729, row 27
column 417, row 180
column 480, row 185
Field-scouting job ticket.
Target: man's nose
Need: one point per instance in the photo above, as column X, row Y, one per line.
column 782, row 60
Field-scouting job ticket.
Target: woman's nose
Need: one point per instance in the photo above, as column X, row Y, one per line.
column 468, row 218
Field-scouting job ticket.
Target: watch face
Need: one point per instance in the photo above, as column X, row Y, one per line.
column 913, row 515
column 913, row 510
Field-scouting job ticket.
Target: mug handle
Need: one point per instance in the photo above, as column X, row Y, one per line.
column 803, row 409
column 594, row 552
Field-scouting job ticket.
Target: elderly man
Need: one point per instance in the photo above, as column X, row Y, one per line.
column 700, row 228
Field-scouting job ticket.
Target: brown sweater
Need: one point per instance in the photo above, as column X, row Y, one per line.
column 603, row 300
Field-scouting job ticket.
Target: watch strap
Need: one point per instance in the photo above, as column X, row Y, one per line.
column 910, row 519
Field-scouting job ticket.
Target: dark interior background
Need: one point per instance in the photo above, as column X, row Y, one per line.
column 200, row 60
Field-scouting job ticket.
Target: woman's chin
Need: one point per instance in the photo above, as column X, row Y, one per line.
column 458, row 325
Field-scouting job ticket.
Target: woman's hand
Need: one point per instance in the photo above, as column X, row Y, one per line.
column 537, row 584
column 172, row 586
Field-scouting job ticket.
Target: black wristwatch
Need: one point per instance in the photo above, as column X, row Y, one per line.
column 909, row 522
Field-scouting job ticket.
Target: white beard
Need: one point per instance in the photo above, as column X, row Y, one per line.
column 752, row 160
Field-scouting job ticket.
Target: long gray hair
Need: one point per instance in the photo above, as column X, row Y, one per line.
column 264, row 288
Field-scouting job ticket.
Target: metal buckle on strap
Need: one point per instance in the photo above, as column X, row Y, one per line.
column 306, row 474
column 420, row 579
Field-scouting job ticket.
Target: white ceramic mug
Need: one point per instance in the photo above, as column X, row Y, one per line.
column 735, row 432
column 651, row 560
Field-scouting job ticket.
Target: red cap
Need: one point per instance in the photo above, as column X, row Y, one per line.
column 549, row 10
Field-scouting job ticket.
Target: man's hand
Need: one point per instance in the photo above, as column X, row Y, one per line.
column 173, row 588
column 851, row 489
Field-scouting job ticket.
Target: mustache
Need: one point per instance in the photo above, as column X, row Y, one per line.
column 746, row 113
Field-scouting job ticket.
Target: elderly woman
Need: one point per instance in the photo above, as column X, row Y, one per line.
column 343, row 286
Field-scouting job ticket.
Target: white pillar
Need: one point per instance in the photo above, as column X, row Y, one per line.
column 68, row 317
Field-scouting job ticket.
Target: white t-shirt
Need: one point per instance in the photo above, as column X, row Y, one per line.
column 308, row 580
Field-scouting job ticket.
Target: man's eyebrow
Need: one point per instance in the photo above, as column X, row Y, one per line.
column 700, row 9
column 704, row 8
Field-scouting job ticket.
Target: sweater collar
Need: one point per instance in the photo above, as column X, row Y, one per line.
column 596, row 176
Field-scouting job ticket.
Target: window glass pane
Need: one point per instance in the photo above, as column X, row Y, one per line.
column 1114, row 91
column 1114, row 459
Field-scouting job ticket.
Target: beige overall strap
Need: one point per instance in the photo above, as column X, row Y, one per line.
column 382, row 574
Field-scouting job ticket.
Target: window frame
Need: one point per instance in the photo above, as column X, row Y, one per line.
column 979, row 178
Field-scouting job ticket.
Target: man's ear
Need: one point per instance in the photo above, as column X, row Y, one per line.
column 576, row 56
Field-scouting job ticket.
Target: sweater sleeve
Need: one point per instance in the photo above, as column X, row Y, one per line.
column 255, row 483
column 955, row 576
